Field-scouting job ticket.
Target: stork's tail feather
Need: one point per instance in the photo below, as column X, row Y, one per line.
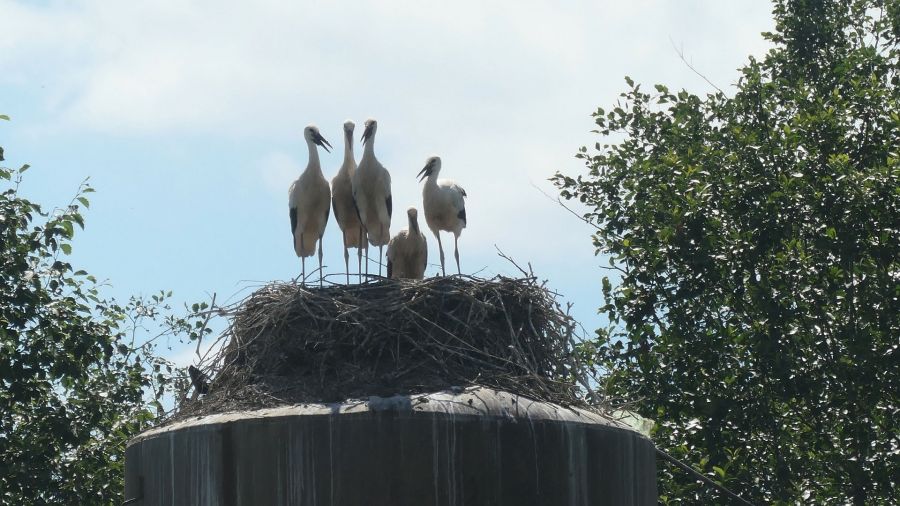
column 378, row 234
column 351, row 237
column 307, row 248
column 377, row 239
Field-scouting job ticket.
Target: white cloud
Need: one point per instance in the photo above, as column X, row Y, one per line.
column 236, row 69
column 501, row 90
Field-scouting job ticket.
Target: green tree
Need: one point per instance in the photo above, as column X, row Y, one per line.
column 754, row 241
column 79, row 376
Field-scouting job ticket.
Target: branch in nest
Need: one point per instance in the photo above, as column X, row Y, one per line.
column 288, row 344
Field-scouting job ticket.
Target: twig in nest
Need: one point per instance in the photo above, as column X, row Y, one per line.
column 289, row 344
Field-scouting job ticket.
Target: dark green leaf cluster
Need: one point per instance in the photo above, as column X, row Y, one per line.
column 78, row 376
column 755, row 246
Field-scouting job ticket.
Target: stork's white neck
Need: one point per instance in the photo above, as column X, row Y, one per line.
column 370, row 147
column 348, row 148
column 313, row 157
column 433, row 177
column 413, row 225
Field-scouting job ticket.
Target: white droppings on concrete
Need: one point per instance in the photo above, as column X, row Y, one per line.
column 485, row 402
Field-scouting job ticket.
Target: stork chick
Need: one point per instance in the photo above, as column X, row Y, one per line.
column 372, row 195
column 342, row 202
column 407, row 253
column 445, row 206
column 309, row 200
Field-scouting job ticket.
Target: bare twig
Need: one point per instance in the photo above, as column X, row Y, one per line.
column 567, row 208
column 688, row 469
column 680, row 53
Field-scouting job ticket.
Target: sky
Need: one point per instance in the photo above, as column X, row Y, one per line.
column 187, row 116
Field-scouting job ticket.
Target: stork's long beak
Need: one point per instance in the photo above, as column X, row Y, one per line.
column 322, row 142
column 425, row 172
column 367, row 133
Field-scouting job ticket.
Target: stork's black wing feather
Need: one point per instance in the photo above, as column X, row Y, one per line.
column 293, row 220
column 358, row 216
column 389, row 205
column 462, row 215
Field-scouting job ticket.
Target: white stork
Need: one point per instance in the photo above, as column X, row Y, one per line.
column 342, row 201
column 372, row 195
column 445, row 206
column 309, row 200
column 407, row 253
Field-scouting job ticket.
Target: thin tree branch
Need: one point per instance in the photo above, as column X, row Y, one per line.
column 567, row 208
column 688, row 469
column 680, row 53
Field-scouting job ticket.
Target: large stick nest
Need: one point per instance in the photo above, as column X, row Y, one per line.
column 290, row 344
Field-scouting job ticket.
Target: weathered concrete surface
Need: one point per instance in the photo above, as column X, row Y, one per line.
column 477, row 447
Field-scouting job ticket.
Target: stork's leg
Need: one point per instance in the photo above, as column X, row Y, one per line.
column 441, row 248
column 347, row 263
column 456, row 252
column 380, row 252
column 346, row 258
column 359, row 261
column 359, row 254
column 302, row 261
column 320, row 262
column 366, row 244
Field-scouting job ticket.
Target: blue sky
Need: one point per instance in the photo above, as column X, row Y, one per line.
column 187, row 116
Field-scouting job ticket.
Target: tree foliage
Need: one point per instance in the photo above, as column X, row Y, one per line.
column 754, row 241
column 79, row 376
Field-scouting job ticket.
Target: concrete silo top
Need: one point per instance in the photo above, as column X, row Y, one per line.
column 475, row 401
column 474, row 446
